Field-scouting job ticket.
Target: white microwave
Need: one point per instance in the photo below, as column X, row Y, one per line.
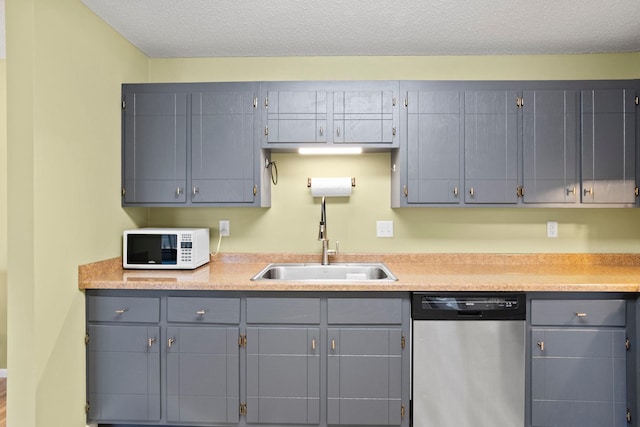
column 165, row 248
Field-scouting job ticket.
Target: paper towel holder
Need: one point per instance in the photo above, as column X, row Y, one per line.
column 353, row 182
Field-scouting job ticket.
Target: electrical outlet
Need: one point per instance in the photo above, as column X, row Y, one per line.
column 552, row 228
column 384, row 228
column 224, row 228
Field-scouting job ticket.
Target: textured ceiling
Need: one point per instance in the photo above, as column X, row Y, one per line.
column 213, row 28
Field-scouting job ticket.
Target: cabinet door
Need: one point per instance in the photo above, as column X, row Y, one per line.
column 203, row 374
column 491, row 146
column 283, row 375
column 223, row 153
column 154, row 148
column 363, row 117
column 296, row 116
column 123, row 373
column 364, row 369
column 608, row 146
column 433, row 147
column 549, row 123
column 578, row 377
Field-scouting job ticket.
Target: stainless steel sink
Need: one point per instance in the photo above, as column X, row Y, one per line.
column 333, row 272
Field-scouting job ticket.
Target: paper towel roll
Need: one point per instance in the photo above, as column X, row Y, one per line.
column 331, row 187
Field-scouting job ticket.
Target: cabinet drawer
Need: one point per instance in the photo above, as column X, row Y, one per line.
column 203, row 310
column 578, row 312
column 123, row 309
column 371, row 311
column 283, row 310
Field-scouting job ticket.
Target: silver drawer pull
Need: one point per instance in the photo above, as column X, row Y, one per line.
column 313, row 344
column 121, row 311
column 201, row 312
column 581, row 314
column 150, row 341
column 541, row 345
column 170, row 342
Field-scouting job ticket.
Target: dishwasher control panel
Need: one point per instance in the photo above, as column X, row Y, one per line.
column 468, row 306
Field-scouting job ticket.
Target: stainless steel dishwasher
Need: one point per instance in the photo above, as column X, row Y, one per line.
column 468, row 359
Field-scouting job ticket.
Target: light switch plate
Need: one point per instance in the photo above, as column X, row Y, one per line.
column 384, row 228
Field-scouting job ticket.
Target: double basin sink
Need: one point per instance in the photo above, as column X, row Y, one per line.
column 315, row 272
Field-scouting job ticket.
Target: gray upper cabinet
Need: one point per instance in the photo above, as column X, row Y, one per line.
column 549, row 146
column 303, row 114
column 434, row 144
column 491, row 146
column 608, row 118
column 192, row 144
column 223, row 155
column 154, row 147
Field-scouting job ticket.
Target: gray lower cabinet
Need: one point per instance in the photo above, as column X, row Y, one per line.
column 161, row 358
column 608, row 118
column 123, row 359
column 578, row 363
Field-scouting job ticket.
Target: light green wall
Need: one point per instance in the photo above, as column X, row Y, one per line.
column 3, row 214
column 64, row 70
column 290, row 225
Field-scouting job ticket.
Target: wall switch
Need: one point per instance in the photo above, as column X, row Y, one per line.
column 552, row 228
column 223, row 228
column 384, row 228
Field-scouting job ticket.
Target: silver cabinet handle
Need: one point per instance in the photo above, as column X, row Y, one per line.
column 195, row 190
column 571, row 191
column 170, row 342
column 178, row 191
column 338, row 130
column 150, row 341
column 588, row 191
column 313, row 344
column 581, row 314
column 200, row 312
column 321, row 131
column 455, row 191
column 393, row 131
column 471, row 192
column 541, row 345
column 121, row 311
column 333, row 344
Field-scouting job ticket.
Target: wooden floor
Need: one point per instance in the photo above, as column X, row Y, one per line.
column 3, row 402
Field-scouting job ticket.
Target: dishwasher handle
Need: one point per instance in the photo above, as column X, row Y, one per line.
column 470, row 314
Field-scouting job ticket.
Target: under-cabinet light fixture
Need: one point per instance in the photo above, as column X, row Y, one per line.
column 329, row 150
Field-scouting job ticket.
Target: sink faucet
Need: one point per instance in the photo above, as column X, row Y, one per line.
column 322, row 235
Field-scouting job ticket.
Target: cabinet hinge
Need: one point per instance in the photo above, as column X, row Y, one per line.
column 266, row 102
column 405, row 191
column 255, row 190
column 628, row 415
column 255, row 103
column 242, row 340
column 406, row 102
column 124, row 103
column 520, row 191
column 86, row 339
column 266, row 131
column 627, row 344
column 636, row 192
column 403, row 342
column 403, row 412
column 243, row 409
column 87, row 407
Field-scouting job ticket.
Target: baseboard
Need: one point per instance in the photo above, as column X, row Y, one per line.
column 3, row 373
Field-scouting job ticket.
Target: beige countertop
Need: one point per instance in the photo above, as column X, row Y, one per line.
column 415, row 272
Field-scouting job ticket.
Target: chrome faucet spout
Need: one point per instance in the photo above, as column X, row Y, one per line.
column 322, row 234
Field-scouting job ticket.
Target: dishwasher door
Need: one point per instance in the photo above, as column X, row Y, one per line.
column 468, row 373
